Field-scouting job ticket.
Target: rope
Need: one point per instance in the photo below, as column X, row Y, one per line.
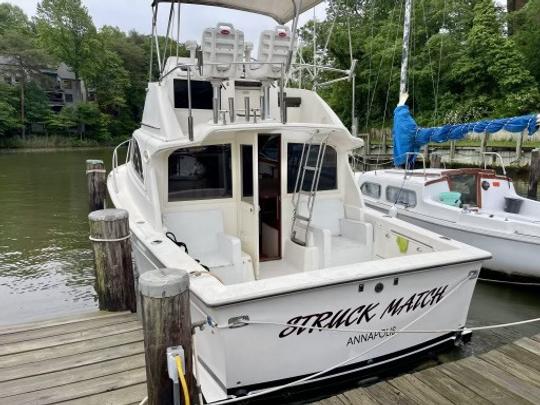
column 370, row 103
column 355, row 331
column 487, row 280
column 110, row 240
column 96, row 171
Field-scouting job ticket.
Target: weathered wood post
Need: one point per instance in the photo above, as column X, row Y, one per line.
column 435, row 160
column 483, row 142
column 368, row 143
column 452, row 151
column 384, row 135
column 166, row 322
column 109, row 233
column 96, row 180
column 519, row 146
column 534, row 174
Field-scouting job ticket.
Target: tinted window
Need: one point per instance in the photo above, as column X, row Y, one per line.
column 371, row 189
column 328, row 178
column 201, row 94
column 136, row 159
column 200, row 173
column 397, row 195
column 466, row 185
column 247, row 172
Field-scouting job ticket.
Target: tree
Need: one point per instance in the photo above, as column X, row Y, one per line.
column 491, row 75
column 526, row 23
column 66, row 29
column 24, row 58
column 8, row 112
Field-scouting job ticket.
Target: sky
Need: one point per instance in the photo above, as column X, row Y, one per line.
column 136, row 14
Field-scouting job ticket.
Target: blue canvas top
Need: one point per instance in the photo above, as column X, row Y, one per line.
column 408, row 137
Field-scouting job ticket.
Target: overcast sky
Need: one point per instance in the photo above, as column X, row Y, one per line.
column 136, row 14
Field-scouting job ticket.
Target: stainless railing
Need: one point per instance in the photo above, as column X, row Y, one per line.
column 407, row 163
column 219, row 113
column 115, row 160
column 497, row 155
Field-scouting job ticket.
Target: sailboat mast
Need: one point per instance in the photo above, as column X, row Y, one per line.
column 405, row 47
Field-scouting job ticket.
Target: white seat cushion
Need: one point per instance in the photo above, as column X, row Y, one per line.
column 340, row 240
column 202, row 232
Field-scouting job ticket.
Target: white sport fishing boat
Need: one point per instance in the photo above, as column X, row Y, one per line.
column 474, row 206
column 298, row 281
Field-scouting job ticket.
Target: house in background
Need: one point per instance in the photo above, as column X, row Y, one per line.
column 59, row 83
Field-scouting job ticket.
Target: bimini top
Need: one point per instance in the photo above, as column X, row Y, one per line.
column 280, row 10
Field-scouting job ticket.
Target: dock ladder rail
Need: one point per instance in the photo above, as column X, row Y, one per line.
column 311, row 160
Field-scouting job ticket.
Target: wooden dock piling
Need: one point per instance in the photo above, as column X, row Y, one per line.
column 96, row 180
column 109, row 233
column 166, row 322
column 534, row 174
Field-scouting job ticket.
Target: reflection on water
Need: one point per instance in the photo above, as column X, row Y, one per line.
column 46, row 264
column 45, row 258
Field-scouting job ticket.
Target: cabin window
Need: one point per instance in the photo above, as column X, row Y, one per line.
column 371, row 189
column 136, row 159
column 328, row 178
column 201, row 94
column 398, row 195
column 466, row 185
column 200, row 173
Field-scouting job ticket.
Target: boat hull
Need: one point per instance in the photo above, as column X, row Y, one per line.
column 244, row 358
column 509, row 256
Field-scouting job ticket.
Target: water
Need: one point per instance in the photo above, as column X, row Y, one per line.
column 46, row 264
column 45, row 257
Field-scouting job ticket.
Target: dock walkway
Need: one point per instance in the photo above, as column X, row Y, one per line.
column 509, row 374
column 98, row 358
column 94, row 358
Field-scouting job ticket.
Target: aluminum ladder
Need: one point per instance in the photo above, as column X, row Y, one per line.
column 305, row 191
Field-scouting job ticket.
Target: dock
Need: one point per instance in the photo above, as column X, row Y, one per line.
column 509, row 374
column 98, row 358
column 93, row 358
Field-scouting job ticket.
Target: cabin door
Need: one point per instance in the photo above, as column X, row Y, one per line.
column 248, row 216
column 269, row 170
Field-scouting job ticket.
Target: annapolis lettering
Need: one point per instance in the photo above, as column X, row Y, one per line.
column 362, row 314
column 366, row 337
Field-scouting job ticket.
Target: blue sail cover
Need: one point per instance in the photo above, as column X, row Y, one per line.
column 408, row 137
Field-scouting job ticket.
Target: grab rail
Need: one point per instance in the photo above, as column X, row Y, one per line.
column 484, row 154
column 407, row 161
column 115, row 160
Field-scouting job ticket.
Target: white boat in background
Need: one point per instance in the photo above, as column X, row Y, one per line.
column 259, row 204
column 474, row 206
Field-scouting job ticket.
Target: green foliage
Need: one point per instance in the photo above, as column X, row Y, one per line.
column 9, row 122
column 463, row 66
column 526, row 28
column 65, row 28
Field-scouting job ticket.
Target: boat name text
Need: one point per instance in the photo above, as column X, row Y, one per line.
column 363, row 313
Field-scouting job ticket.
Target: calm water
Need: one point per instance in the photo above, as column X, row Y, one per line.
column 45, row 258
column 46, row 262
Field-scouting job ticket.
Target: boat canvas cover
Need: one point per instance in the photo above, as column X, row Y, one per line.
column 280, row 10
column 408, row 137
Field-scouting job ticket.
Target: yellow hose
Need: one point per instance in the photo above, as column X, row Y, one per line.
column 182, row 380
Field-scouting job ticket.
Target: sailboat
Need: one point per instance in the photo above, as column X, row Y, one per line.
column 473, row 205
column 246, row 184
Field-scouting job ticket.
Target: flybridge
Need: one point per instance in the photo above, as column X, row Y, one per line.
column 223, row 56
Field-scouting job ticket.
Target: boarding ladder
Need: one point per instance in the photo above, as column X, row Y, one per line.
column 306, row 185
